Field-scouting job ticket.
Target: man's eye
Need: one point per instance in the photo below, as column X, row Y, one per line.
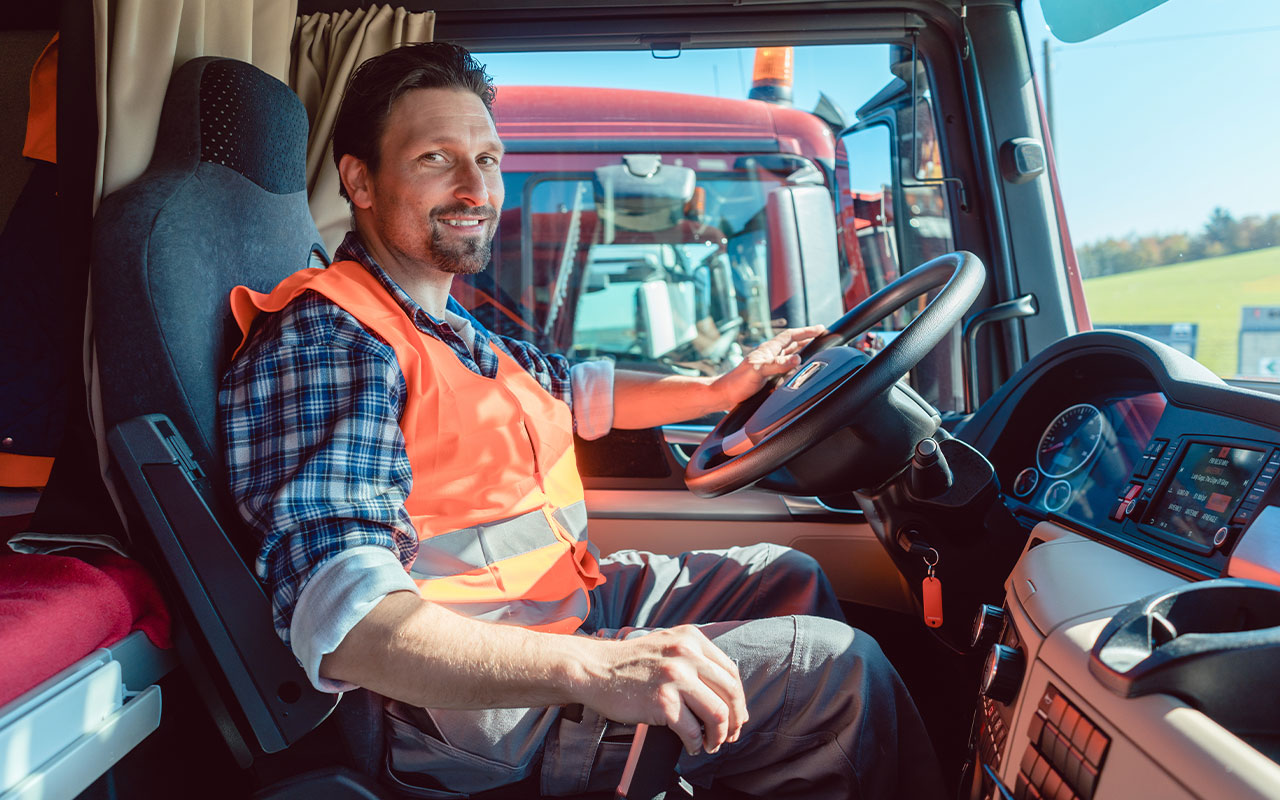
column 487, row 161
column 432, row 157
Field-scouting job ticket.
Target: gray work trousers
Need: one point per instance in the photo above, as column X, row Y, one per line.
column 829, row 716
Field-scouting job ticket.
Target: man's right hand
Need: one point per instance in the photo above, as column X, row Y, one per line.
column 674, row 677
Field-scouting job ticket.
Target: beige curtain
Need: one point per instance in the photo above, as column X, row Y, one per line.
column 326, row 49
column 140, row 43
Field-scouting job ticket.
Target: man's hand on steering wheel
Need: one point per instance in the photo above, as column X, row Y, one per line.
column 777, row 356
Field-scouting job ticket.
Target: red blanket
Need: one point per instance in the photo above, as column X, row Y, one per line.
column 55, row 610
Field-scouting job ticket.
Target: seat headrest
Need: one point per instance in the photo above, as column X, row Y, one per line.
column 222, row 203
column 227, row 112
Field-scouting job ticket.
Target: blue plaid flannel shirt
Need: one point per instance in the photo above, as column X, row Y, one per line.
column 310, row 418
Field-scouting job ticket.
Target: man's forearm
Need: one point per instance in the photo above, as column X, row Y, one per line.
column 647, row 399
column 420, row 653
column 426, row 655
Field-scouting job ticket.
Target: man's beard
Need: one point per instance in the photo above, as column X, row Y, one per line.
column 464, row 256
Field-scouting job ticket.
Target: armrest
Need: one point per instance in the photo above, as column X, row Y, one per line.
column 226, row 609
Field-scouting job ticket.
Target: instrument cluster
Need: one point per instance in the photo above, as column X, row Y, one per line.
column 1084, row 455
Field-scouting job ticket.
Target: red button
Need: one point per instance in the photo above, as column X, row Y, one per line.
column 1096, row 748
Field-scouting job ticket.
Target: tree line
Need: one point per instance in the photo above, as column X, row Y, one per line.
column 1222, row 235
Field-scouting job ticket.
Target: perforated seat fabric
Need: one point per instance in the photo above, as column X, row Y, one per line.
column 223, row 202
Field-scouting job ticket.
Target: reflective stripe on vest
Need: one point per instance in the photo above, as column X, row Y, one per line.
column 496, row 499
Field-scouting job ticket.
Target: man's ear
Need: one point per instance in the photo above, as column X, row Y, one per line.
column 354, row 174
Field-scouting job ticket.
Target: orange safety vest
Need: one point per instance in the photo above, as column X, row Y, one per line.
column 42, row 116
column 496, row 499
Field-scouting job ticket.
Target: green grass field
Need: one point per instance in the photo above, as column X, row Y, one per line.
column 1210, row 293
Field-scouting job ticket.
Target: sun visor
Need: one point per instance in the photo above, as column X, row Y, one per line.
column 642, row 193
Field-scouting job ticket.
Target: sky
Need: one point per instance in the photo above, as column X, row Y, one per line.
column 1155, row 123
column 1167, row 116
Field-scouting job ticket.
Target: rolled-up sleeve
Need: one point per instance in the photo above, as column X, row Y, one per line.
column 592, row 383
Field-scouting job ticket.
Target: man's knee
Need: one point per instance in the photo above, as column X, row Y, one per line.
column 831, row 641
column 843, row 665
column 794, row 561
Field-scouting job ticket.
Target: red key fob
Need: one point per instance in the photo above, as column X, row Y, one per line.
column 932, row 594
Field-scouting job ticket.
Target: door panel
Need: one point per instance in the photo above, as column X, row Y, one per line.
column 673, row 521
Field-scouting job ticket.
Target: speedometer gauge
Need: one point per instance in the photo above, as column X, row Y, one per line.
column 1070, row 440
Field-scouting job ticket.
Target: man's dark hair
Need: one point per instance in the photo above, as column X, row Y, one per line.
column 380, row 81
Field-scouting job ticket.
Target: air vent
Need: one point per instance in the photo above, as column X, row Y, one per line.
column 1065, row 755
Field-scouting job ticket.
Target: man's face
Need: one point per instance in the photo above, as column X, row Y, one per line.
column 436, row 194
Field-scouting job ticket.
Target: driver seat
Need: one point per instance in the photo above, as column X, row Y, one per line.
column 223, row 202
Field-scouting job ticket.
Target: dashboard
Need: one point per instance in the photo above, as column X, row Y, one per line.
column 1139, row 477
column 1138, row 447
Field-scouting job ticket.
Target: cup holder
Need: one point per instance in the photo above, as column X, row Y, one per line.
column 1213, row 644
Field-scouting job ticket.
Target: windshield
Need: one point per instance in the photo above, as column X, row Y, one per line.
column 673, row 213
column 1162, row 131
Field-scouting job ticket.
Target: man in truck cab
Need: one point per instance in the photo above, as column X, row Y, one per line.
column 423, row 521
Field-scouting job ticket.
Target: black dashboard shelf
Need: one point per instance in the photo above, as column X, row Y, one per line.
column 1214, row 644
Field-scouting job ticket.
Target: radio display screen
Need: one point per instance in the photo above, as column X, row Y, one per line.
column 1204, row 490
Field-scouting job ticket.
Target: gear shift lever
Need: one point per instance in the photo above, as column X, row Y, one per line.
column 930, row 475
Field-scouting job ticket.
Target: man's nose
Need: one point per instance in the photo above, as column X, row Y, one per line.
column 470, row 186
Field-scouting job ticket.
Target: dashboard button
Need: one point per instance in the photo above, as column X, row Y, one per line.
column 1244, row 514
column 1070, row 719
column 1119, row 512
column 1096, row 748
column 1036, row 727
column 1220, row 537
column 1028, row 760
column 988, row 624
column 1088, row 780
column 1002, row 673
column 1039, row 771
column 1144, row 467
column 1052, row 783
column 1080, row 736
column 1057, row 707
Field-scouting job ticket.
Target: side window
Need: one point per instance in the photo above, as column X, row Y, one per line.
column 1173, row 212
column 896, row 207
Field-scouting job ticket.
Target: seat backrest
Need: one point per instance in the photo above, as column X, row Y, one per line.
column 222, row 203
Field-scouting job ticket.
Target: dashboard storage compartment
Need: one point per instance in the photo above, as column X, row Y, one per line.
column 1213, row 644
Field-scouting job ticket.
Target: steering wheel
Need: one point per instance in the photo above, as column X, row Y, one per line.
column 844, row 412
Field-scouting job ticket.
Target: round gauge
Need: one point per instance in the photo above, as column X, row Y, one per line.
column 1057, row 495
column 1069, row 441
column 1026, row 481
